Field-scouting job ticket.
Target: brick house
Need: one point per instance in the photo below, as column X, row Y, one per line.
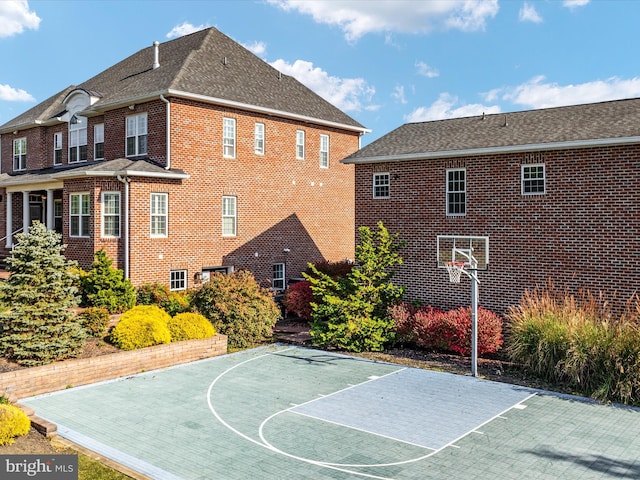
column 557, row 191
column 187, row 157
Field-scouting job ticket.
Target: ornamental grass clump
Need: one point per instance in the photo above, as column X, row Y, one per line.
column 190, row 326
column 13, row 423
column 577, row 341
column 142, row 326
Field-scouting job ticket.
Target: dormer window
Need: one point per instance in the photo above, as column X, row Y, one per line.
column 77, row 139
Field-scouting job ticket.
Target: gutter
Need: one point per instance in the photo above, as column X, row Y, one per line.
column 125, row 180
column 168, row 167
column 534, row 147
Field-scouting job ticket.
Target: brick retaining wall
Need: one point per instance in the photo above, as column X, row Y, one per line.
column 73, row 373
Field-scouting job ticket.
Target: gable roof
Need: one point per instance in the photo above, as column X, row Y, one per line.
column 605, row 123
column 207, row 66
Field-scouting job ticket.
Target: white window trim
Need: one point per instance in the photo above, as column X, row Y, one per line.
column 451, row 170
column 22, row 155
column 104, row 215
column 259, row 137
column 324, row 139
column 153, row 214
column 380, row 174
column 57, row 147
column 234, row 216
column 300, row 140
column 544, row 178
column 173, row 279
column 98, row 128
column 228, row 142
column 80, row 215
column 136, row 135
column 284, row 276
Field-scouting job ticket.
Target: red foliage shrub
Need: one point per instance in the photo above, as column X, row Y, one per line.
column 433, row 329
column 297, row 299
column 333, row 269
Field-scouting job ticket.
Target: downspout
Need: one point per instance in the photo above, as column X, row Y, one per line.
column 125, row 180
column 168, row 167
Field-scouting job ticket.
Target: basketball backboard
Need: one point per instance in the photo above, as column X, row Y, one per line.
column 473, row 251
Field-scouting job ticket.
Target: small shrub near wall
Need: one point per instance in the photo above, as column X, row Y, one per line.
column 95, row 321
column 190, row 326
column 298, row 298
column 13, row 423
column 160, row 295
column 142, row 326
column 434, row 329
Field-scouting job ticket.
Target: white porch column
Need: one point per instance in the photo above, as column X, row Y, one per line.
column 9, row 220
column 25, row 212
column 50, row 223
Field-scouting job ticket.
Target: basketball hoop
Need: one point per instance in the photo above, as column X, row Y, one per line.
column 455, row 269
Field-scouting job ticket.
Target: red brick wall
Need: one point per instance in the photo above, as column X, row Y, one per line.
column 583, row 233
column 27, row 382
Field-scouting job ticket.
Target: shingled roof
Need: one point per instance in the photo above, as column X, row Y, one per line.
column 605, row 123
column 207, row 65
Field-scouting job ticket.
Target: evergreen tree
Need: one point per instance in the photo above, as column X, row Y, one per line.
column 105, row 286
column 39, row 326
column 352, row 311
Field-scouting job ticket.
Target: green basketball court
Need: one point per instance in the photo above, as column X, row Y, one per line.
column 284, row 412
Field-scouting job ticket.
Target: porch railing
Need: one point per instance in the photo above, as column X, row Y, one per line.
column 12, row 235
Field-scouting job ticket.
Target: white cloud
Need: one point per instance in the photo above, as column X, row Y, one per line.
column 574, row 3
column 427, row 71
column 10, row 94
column 398, row 94
column 185, row 28
column 347, row 94
column 257, row 48
column 528, row 13
column 15, row 16
column 357, row 18
column 447, row 106
column 537, row 93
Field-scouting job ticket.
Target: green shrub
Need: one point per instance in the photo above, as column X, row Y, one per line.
column 13, row 423
column 95, row 321
column 142, row 326
column 190, row 326
column 238, row 307
column 157, row 294
column 105, row 286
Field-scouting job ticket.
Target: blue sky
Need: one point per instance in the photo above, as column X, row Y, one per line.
column 385, row 63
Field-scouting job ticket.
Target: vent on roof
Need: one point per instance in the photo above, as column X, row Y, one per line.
column 156, row 55
column 225, row 61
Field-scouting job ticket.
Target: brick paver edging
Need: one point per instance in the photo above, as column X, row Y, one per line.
column 73, row 373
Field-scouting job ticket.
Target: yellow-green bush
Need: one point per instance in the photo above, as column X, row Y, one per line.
column 142, row 326
column 13, row 423
column 190, row 326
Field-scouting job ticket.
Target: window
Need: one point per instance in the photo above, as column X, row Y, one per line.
column 228, row 216
column 533, row 181
column 381, row 184
column 229, row 138
column 77, row 139
column 300, row 144
column 111, row 214
column 159, row 214
column 79, row 207
column 20, row 153
column 259, row 138
column 57, row 215
column 278, row 276
column 456, row 192
column 98, row 141
column 57, row 148
column 137, row 135
column 178, row 280
column 324, row 151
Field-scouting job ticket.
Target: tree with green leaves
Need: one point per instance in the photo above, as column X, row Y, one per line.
column 105, row 286
column 39, row 326
column 351, row 312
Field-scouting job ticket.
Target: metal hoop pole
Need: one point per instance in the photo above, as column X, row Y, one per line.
column 474, row 323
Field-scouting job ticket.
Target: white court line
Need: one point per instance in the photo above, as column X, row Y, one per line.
column 267, row 446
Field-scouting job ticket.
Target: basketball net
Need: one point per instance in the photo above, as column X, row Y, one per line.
column 455, row 270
